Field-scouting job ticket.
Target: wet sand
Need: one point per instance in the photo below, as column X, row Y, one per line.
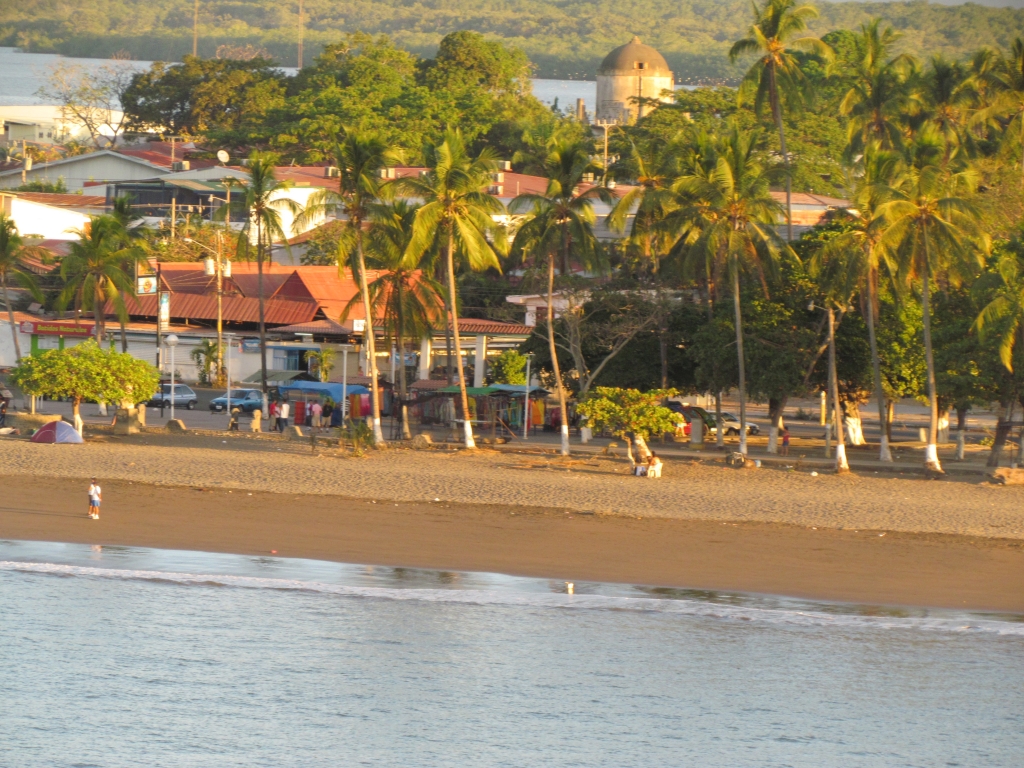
column 860, row 566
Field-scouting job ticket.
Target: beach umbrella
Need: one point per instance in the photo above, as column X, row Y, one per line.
column 57, row 432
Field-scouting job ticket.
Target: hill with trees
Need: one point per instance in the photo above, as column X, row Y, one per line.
column 563, row 38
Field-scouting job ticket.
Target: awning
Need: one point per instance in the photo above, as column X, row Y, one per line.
column 517, row 389
column 474, row 391
column 317, row 388
column 276, row 376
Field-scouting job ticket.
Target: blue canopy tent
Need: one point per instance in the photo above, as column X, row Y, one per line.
column 317, row 389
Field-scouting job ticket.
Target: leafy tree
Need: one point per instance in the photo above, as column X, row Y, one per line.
column 323, row 362
column 509, row 368
column 13, row 256
column 204, row 355
column 776, row 75
column 629, row 414
column 322, row 246
column 86, row 372
column 456, row 219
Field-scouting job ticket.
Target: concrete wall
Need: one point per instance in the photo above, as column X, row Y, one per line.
column 47, row 221
column 615, row 91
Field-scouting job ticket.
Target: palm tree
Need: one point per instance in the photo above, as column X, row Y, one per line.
column 880, row 96
column 1007, row 85
column 936, row 234
column 732, row 216
column 262, row 204
column 94, row 272
column 403, row 293
column 560, row 222
column 776, row 74
column 456, row 217
column 204, row 355
column 13, row 253
column 859, row 251
column 359, row 157
column 323, row 359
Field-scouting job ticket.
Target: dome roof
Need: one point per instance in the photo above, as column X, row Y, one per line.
column 625, row 58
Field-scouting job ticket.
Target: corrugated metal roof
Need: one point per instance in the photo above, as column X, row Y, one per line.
column 236, row 309
column 64, row 201
column 317, row 328
column 474, row 325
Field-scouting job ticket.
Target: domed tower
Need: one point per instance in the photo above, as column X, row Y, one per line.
column 630, row 71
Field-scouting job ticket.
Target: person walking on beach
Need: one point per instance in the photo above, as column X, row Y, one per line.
column 785, row 441
column 282, row 416
column 95, row 497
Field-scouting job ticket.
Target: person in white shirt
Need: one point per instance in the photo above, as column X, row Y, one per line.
column 282, row 419
column 95, row 497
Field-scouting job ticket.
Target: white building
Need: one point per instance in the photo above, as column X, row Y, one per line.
column 50, row 216
column 629, row 73
column 81, row 171
column 46, row 124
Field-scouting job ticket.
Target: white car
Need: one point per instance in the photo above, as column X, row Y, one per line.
column 732, row 424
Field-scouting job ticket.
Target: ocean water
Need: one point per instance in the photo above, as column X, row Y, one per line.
column 115, row 656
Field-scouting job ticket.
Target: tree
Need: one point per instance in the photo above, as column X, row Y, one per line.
column 776, row 74
column 732, row 217
column 879, row 97
column 859, row 249
column 90, row 97
column 558, row 223
column 629, row 414
column 1007, row 85
column 261, row 205
column 13, row 256
column 937, row 236
column 86, row 372
column 323, row 362
column 204, row 355
column 359, row 157
column 94, row 272
column 457, row 218
column 509, row 368
column 406, row 298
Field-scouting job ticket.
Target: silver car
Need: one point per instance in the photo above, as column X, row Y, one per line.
column 731, row 422
column 183, row 397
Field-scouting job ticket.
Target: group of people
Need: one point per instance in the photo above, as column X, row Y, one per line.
column 649, row 468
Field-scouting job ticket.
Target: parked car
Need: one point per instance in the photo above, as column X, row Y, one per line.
column 691, row 412
column 246, row 400
column 732, row 425
column 183, row 396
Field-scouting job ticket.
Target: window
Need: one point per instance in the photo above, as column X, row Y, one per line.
column 639, row 65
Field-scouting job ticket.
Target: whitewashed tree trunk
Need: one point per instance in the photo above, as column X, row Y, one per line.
column 773, row 439
column 643, row 453
column 776, row 407
column 943, row 432
column 853, row 424
column 961, row 439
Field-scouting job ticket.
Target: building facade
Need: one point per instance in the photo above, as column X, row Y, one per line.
column 627, row 76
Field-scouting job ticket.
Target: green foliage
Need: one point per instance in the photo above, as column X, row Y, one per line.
column 87, row 372
column 204, row 355
column 625, row 412
column 322, row 246
column 57, row 187
column 323, row 362
column 509, row 368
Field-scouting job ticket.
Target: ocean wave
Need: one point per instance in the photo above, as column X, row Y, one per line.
column 668, row 606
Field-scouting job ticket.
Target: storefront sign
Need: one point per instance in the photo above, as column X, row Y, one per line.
column 42, row 328
column 146, row 286
column 250, row 345
column 164, row 317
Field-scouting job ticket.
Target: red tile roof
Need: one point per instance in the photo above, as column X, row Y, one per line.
column 474, row 325
column 317, row 328
column 236, row 309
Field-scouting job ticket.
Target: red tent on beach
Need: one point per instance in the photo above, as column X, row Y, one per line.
column 56, row 432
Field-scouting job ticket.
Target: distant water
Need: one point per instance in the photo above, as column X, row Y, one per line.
column 119, row 656
column 25, row 73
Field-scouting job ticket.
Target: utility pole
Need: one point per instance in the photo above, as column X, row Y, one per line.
column 300, row 32
column 606, row 125
column 195, row 29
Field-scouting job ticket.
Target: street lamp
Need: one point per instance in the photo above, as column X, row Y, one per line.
column 221, row 268
column 172, row 341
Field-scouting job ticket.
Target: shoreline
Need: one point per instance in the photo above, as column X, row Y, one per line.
column 873, row 567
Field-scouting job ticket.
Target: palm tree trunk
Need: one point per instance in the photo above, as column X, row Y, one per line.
column 124, row 336
column 263, row 325
column 97, row 313
column 777, row 114
column 719, row 432
column 833, row 380
column 467, row 423
column 402, row 394
column 554, row 357
column 10, row 319
column 884, row 453
column 739, row 358
column 931, row 451
column 368, row 337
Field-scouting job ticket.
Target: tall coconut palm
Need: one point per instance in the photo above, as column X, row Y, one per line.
column 262, row 203
column 560, row 223
column 13, row 256
column 1006, row 84
column 403, row 294
column 776, row 75
column 359, row 157
column 863, row 258
column 456, row 218
column 733, row 215
column 95, row 271
column 936, row 233
column 880, row 95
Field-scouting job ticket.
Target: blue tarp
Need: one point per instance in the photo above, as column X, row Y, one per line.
column 317, row 389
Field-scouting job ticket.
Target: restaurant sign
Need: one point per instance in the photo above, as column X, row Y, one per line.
column 43, row 328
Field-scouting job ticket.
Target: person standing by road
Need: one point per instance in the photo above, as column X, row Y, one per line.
column 318, row 411
column 785, row 441
column 282, row 416
column 95, row 497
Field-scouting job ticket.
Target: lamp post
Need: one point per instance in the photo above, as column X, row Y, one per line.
column 220, row 268
column 172, row 341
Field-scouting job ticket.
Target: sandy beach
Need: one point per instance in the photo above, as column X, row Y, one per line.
column 871, row 539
